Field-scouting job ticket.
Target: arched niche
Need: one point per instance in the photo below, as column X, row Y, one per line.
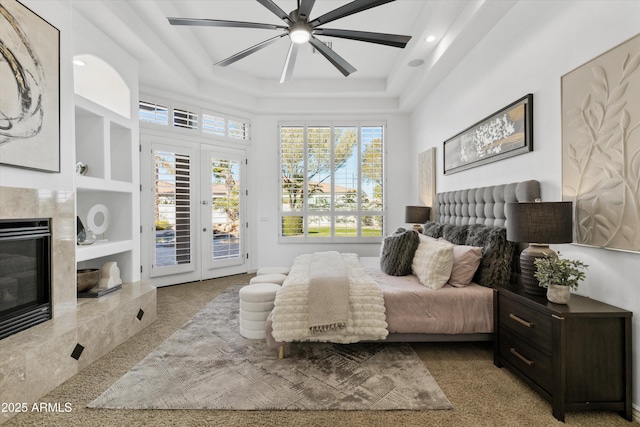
column 98, row 81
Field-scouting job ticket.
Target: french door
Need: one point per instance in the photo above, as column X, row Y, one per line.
column 193, row 211
column 223, row 223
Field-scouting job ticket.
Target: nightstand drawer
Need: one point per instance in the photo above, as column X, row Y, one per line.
column 533, row 326
column 532, row 362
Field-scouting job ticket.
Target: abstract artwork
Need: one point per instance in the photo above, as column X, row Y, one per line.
column 505, row 133
column 601, row 148
column 427, row 179
column 30, row 88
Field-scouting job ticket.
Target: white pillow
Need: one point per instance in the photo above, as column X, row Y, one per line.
column 432, row 262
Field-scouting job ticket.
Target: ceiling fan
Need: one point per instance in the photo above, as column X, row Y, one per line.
column 301, row 29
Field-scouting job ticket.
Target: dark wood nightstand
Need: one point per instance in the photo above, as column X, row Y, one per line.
column 577, row 356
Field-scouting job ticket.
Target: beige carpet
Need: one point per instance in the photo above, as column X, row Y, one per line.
column 481, row 394
column 207, row 364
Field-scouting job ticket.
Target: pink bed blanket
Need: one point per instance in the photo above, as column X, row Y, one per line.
column 412, row 308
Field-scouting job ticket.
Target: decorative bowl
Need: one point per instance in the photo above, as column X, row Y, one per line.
column 87, row 278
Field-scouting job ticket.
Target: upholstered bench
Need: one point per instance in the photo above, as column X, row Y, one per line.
column 256, row 302
column 278, row 279
column 272, row 270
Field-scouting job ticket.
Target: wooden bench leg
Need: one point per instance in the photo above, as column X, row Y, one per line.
column 281, row 351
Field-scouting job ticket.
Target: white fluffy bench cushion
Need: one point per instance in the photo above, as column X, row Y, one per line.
column 278, row 279
column 272, row 270
column 256, row 302
column 263, row 292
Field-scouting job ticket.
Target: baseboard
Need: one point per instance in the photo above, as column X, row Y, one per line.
column 635, row 413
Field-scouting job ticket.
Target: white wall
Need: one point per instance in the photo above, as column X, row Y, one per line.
column 58, row 14
column 527, row 52
column 264, row 190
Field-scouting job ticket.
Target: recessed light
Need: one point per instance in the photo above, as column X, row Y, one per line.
column 79, row 63
column 431, row 39
column 415, row 63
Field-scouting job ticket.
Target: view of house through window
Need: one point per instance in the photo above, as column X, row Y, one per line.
column 332, row 181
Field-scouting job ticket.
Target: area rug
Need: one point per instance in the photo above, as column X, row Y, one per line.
column 207, row 364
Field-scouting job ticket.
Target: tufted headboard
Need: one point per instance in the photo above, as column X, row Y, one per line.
column 476, row 217
column 485, row 205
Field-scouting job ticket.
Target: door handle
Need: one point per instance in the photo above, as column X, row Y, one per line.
column 204, row 229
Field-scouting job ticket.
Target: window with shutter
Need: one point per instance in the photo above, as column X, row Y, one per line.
column 331, row 183
column 151, row 112
column 172, row 209
column 185, row 119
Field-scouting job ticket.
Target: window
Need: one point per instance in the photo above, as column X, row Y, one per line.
column 238, row 129
column 151, row 112
column 172, row 207
column 331, row 183
column 185, row 119
column 208, row 123
column 213, row 125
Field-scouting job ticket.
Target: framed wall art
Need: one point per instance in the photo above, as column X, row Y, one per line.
column 427, row 179
column 30, row 87
column 506, row 133
column 601, row 148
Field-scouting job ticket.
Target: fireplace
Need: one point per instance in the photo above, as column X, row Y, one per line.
column 25, row 274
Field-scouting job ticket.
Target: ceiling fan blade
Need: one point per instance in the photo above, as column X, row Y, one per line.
column 269, row 4
column 290, row 62
column 219, row 23
column 305, row 9
column 394, row 40
column 338, row 62
column 247, row 52
column 346, row 10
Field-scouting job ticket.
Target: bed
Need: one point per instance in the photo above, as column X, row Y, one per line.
column 470, row 218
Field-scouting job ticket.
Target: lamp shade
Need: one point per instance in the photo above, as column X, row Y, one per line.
column 416, row 214
column 540, row 222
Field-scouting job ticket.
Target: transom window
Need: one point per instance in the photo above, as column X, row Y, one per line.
column 331, row 182
column 157, row 113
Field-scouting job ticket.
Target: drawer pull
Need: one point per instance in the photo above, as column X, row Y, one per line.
column 521, row 321
column 521, row 357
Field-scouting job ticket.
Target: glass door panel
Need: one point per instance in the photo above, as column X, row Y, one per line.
column 223, row 214
column 174, row 221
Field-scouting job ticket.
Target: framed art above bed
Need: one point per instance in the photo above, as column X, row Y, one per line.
column 506, row 133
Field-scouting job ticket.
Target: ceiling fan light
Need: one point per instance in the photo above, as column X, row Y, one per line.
column 300, row 35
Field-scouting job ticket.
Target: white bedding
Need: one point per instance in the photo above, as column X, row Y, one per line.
column 366, row 320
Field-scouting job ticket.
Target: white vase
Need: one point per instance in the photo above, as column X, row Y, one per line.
column 558, row 294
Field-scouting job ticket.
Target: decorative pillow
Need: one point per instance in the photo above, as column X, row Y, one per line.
column 432, row 262
column 433, row 229
column 456, row 234
column 466, row 260
column 396, row 254
column 497, row 255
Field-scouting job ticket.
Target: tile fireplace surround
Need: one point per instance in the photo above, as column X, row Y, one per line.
column 35, row 361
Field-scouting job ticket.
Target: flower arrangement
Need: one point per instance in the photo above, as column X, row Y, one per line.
column 553, row 270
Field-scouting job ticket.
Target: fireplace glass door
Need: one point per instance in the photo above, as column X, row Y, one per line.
column 25, row 274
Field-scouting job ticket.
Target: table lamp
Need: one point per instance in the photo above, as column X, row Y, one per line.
column 417, row 215
column 539, row 224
